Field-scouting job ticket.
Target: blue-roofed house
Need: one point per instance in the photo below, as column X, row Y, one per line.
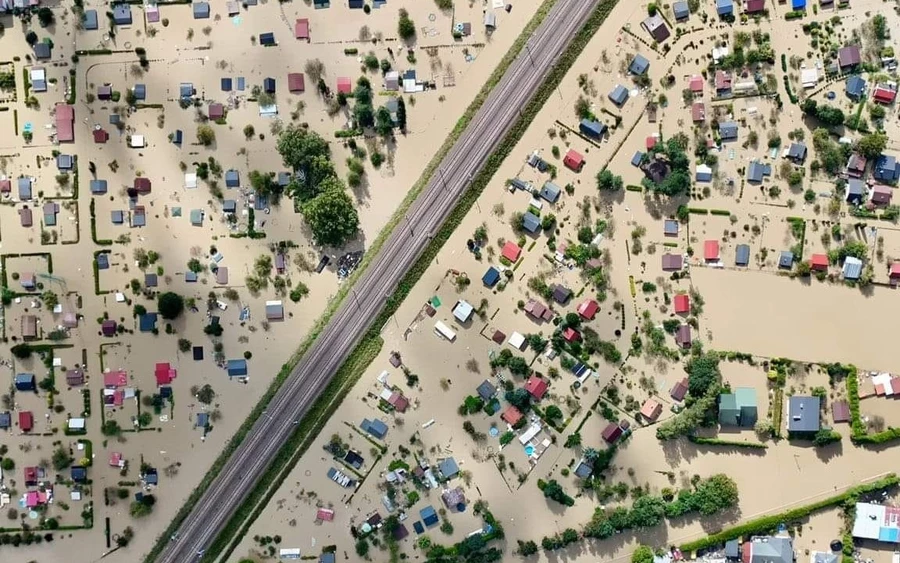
column 856, row 190
column 237, row 368
column 728, row 131
column 429, row 516
column 266, row 39
column 681, row 10
column 798, row 4
column 374, row 427
column 65, row 162
column 42, row 51
column 531, row 222
column 856, row 87
column 491, row 277
column 639, row 65
column 186, row 90
column 103, row 261
column 147, row 322
column 637, row 158
column 619, row 95
column 201, row 10
column 122, row 14
column 797, row 152
column 448, row 468
column 742, row 255
column 25, row 382
column 786, row 260
column 226, row 84
column 89, row 20
column 151, row 280
column 232, row 179
column 140, row 92
column 202, row 420
column 117, row 216
column 190, row 277
column 550, row 192
column 886, row 169
column 229, row 206
column 704, row 173
column 756, row 171
column 583, row 470
column 592, row 128
column 5, row 420
column 24, row 188
column 98, row 187
column 115, row 119
column 177, row 137
column 486, row 390
column 852, row 269
column 725, row 7
column 78, row 474
column 269, row 85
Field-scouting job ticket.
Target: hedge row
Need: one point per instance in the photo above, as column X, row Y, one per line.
column 727, row 443
column 769, row 523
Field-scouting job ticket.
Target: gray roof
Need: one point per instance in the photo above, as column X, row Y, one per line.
column 619, row 95
column 786, row 260
column 42, row 50
column 742, row 255
column 5, row 420
column 375, row 427
column 583, row 470
column 728, row 130
column 757, row 171
column 681, row 10
column 772, row 550
column 24, row 188
column 448, row 468
column 550, row 192
column 229, row 206
column 140, row 91
column 856, row 188
column 797, row 151
column 639, row 65
column 90, row 20
column 803, row 414
column 852, row 268
column 486, row 390
column 232, row 179
column 201, row 10
column 122, row 14
column 186, row 90
column 531, row 222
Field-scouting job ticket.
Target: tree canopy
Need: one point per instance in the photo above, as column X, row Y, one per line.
column 872, row 145
column 606, row 180
column 170, row 305
column 829, row 116
column 332, row 217
column 406, row 29
column 703, row 374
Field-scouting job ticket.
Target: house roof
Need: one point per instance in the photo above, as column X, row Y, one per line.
column 711, row 250
column 655, row 25
column 588, row 309
column 491, row 277
column 531, row 222
column 237, row 367
column 619, row 95
column 840, row 411
column 856, row 86
column 682, row 303
column 639, row 65
column 803, row 414
column 574, row 160
column 882, row 194
column 786, row 259
column 683, row 336
column 344, row 85
column 511, row 415
column 723, row 80
column 680, row 9
column 511, row 251
column 852, row 269
column 679, row 390
column 301, row 28
column 295, row 81
column 486, row 390
column 849, row 56
column 728, row 130
column 797, row 151
column 651, row 409
column 884, row 94
column 672, row 262
column 698, row 111
column 90, row 20
column 753, row 6
column 550, row 192
column 756, row 171
column 724, row 7
column 536, row 387
column 772, row 549
column 818, row 261
column 448, row 467
column 561, row 293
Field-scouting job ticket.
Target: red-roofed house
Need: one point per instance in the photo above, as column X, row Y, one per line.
column 216, row 111
column 301, row 29
column 611, row 433
column 573, row 160
column 571, row 335
column 895, row 271
column 325, row 514
column 884, row 95
column 536, row 386
column 344, row 86
column 651, row 410
column 650, row 143
column 26, row 421
column 698, row 112
column 511, row 415
column 142, row 185
column 511, row 251
column 753, row 6
column 116, row 460
column 818, row 262
column 5, row 186
column 100, row 136
column 696, row 84
column 31, row 476
column 165, row 374
column 296, row 82
column 118, row 378
column 711, row 250
column 588, row 309
column 398, row 401
column 65, row 123
column 682, row 304
column 723, row 81
column 881, row 194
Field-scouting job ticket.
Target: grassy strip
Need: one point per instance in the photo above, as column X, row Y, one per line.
column 429, row 171
column 727, row 443
column 769, row 523
column 479, row 183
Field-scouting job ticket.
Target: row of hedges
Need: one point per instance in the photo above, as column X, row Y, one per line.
column 93, row 211
column 767, row 524
column 726, row 443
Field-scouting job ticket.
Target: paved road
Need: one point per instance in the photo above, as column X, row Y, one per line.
column 404, row 246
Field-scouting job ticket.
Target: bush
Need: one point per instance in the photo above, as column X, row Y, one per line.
column 170, row 305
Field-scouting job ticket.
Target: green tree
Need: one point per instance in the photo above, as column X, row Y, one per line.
column 206, row 136
column 554, row 491
column 553, row 412
column 50, row 299
column 647, row 511
column 45, row 16
column 401, row 114
column 307, row 153
column 872, row 145
column 61, row 459
column 703, row 374
column 332, row 218
column 642, row 554
column 264, row 183
column 384, row 124
column 606, row 180
column 714, row 494
column 406, row 29
column 170, row 305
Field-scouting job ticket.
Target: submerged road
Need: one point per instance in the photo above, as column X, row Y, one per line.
column 313, row 372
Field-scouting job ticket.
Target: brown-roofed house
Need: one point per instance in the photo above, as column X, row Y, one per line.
column 849, row 57
column 611, row 433
column 29, row 327
column 656, row 27
column 142, row 185
column 222, row 276
column 511, row 415
column 74, row 377
column 100, row 136
column 679, row 390
column 25, row 217
column 672, row 262
column 65, row 123
column 840, row 411
column 698, row 112
column 498, row 337
column 296, row 82
column 881, row 194
column 683, row 336
column 651, row 410
column 216, row 111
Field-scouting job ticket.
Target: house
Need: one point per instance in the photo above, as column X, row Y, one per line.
column 201, row 10
column 29, row 327
column 511, row 415
column 550, row 192
column 803, row 414
column 798, row 5
column 486, row 390
column 885, row 94
column 569, row 334
column 786, row 260
column 31, row 476
column 236, row 368
column 711, row 250
column 537, row 310
column 109, row 326
column 680, row 10
column 611, row 433
column 754, row 6
column 491, row 277
column 392, row 81
column 738, row 408
column 670, row 228
column 573, row 160
column 448, row 468
column 704, row 174
column 818, row 262
column 122, row 14
column 881, row 194
column 672, row 262
column 637, row 159
column 274, row 311
column 682, row 304
column 695, row 84
column 186, row 90
column 797, row 152
column 490, row 21
column 89, row 20
column 698, row 112
column 848, row 57
column 27, row 280
column 26, row 421
column 216, row 111
column 454, row 498
column 42, row 51
column 232, row 179
column 531, row 222
column 164, row 373
column 771, row 549
column 344, row 85
column 196, row 216
column 592, row 128
column 301, row 29
column 267, row 39
column 724, row 7
column 429, row 516
column 588, row 309
column 147, row 322
column 679, row 390
column 50, row 209
column 140, row 92
column 536, row 387
column 723, row 82
column 463, row 311
column 886, row 169
column 269, row 85
column 655, row 25
column 375, row 427
column 117, row 216
column 74, row 377
column 25, row 382
column 142, row 185
column 65, row 123
column 295, row 82
column 24, row 188
column 639, row 65
column 619, row 95
column 856, row 190
column 100, row 136
column 852, row 269
column 855, row 87
column 79, row 474
column 561, row 294
column 5, row 420
column 728, row 131
column 895, row 272
column 65, row 162
column 151, row 280
column 651, row 410
column 757, row 171
column 840, row 411
column 511, row 251
column 683, row 336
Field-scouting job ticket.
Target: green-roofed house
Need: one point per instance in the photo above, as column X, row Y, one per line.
column 738, row 408
column 197, row 217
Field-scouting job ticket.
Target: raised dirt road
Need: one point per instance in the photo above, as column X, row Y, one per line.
column 322, row 360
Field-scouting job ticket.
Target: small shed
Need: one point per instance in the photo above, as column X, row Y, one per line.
column 267, row 39
column 574, row 160
column 232, row 179
column 201, row 10
column 301, row 29
column 237, row 368
column 274, row 311
column 122, row 14
column 269, row 85
column 89, row 20
column 295, row 82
